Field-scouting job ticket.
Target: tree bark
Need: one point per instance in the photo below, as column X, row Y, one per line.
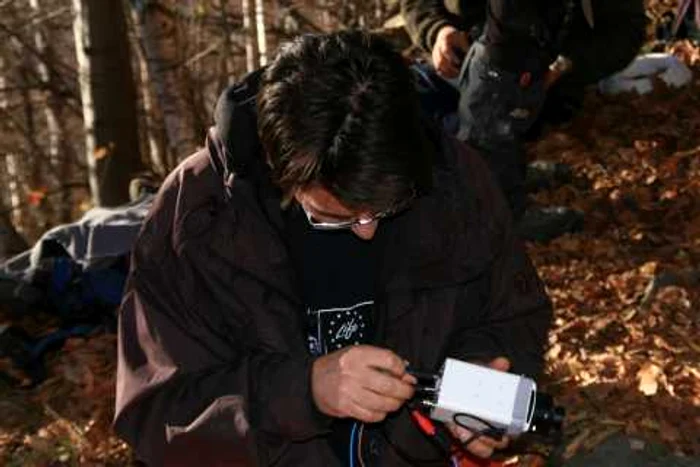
column 226, row 67
column 11, row 241
column 252, row 58
column 60, row 151
column 108, row 98
column 151, row 123
column 261, row 31
column 159, row 33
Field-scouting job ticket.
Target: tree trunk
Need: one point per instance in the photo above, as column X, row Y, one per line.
column 252, row 58
column 226, row 66
column 158, row 31
column 12, row 173
column 261, row 31
column 33, row 165
column 11, row 242
column 60, row 150
column 108, row 97
column 15, row 189
column 43, row 73
column 151, row 124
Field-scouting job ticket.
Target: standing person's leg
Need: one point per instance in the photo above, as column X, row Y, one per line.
column 496, row 109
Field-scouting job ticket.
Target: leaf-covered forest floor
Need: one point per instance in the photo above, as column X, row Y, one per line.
column 624, row 353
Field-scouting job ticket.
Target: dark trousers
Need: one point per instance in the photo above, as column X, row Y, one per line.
column 496, row 109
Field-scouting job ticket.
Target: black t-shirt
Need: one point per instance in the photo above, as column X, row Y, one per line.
column 338, row 271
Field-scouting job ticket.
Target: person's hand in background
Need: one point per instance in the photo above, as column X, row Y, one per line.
column 450, row 47
column 559, row 67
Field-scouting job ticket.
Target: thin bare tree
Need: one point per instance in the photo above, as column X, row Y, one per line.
column 60, row 150
column 108, row 98
column 261, row 31
column 159, row 33
column 252, row 57
column 151, row 123
column 11, row 241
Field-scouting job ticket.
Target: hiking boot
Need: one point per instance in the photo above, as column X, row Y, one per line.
column 547, row 175
column 542, row 224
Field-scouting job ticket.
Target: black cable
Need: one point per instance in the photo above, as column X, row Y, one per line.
column 490, row 429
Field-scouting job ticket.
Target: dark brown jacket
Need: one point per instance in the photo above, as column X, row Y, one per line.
column 618, row 31
column 213, row 365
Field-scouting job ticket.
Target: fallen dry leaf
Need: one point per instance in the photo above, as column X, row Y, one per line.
column 648, row 378
column 575, row 444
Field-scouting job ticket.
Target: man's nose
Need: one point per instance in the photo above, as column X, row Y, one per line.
column 365, row 232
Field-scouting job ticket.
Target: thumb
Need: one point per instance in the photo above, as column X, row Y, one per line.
column 500, row 364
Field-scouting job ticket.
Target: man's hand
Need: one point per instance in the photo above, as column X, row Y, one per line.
column 447, row 58
column 550, row 78
column 362, row 382
column 558, row 68
column 482, row 446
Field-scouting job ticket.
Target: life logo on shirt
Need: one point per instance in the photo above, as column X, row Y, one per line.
column 336, row 328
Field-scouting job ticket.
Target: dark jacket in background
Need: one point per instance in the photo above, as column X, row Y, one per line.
column 619, row 30
column 213, row 361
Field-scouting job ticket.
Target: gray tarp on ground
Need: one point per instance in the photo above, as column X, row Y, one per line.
column 100, row 236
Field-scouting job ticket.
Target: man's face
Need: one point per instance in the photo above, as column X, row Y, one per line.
column 324, row 208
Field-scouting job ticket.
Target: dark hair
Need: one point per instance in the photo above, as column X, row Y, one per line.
column 341, row 109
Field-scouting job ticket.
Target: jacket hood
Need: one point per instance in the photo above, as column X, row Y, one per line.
column 233, row 141
column 235, row 152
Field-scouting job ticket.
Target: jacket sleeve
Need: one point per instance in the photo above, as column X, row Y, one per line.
column 513, row 312
column 515, row 317
column 424, row 18
column 189, row 376
column 618, row 33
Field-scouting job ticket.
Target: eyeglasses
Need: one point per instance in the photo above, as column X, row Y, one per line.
column 318, row 225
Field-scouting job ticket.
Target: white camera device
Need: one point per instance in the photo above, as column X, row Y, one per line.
column 482, row 399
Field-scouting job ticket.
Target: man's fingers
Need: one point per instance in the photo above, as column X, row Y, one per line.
column 383, row 360
column 501, row 443
column 387, row 385
column 500, row 364
column 376, row 402
column 494, row 443
column 409, row 379
column 446, row 67
column 445, row 61
column 363, row 382
column 479, row 448
column 482, row 446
